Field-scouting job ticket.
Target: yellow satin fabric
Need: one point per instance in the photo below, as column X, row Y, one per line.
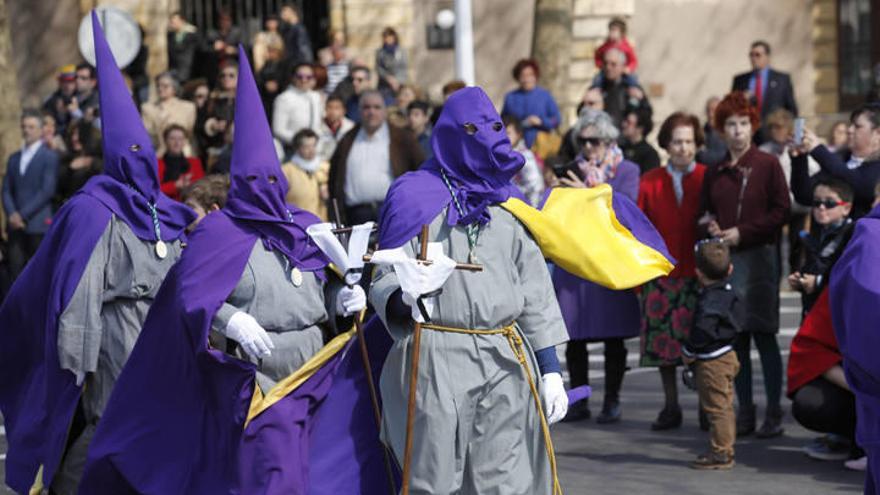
column 578, row 230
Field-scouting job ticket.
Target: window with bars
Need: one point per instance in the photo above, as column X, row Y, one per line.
column 858, row 39
column 248, row 15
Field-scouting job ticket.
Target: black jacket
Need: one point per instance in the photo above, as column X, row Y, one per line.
column 822, row 247
column 716, row 320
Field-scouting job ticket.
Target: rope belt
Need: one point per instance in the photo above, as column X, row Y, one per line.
column 516, row 344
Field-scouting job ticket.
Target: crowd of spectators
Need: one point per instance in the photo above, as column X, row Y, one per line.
column 345, row 131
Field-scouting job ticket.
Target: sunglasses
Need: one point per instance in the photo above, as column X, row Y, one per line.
column 756, row 55
column 470, row 128
column 828, row 203
column 710, row 240
column 592, row 141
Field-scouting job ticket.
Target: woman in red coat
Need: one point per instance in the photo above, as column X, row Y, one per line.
column 670, row 198
column 176, row 171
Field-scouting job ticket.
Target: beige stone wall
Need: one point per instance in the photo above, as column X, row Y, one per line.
column 689, row 50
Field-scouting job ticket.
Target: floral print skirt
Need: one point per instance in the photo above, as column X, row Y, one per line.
column 667, row 312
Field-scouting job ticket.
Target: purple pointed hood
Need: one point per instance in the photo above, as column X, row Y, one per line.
column 258, row 187
column 471, row 146
column 129, row 185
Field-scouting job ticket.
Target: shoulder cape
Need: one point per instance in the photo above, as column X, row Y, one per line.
column 37, row 397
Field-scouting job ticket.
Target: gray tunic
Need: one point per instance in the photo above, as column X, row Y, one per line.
column 291, row 315
column 476, row 428
column 101, row 323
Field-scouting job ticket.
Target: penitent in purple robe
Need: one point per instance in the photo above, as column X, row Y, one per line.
column 855, row 309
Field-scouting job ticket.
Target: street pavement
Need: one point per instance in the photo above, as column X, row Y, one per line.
column 628, row 458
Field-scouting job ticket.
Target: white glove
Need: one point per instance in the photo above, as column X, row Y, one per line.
column 417, row 279
column 553, row 397
column 245, row 330
column 351, row 300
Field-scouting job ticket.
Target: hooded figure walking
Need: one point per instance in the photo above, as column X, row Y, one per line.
column 252, row 275
column 72, row 318
column 488, row 370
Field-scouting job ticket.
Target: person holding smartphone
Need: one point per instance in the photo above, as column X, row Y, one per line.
column 593, row 313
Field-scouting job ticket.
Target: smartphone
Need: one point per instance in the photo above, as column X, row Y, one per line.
column 798, row 130
column 561, row 170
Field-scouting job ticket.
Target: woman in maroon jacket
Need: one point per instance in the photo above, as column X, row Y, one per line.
column 670, row 198
column 745, row 203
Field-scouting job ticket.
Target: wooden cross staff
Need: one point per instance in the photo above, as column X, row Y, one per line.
column 365, row 357
column 414, row 369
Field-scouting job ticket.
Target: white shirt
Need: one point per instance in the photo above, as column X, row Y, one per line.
column 854, row 163
column 368, row 167
column 27, row 154
column 295, row 110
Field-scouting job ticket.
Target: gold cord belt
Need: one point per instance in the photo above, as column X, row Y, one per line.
column 516, row 344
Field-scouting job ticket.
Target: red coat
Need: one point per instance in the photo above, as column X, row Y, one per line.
column 623, row 45
column 676, row 223
column 814, row 349
column 196, row 172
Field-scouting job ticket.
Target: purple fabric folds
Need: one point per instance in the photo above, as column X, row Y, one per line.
column 37, row 397
column 854, row 298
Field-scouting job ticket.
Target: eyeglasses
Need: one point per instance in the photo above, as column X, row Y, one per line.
column 756, row 54
column 470, row 128
column 828, row 203
column 592, row 141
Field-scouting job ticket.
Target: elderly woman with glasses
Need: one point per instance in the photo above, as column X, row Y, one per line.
column 593, row 313
column 166, row 111
column 670, row 198
column 745, row 203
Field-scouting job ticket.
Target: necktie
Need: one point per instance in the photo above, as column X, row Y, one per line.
column 759, row 96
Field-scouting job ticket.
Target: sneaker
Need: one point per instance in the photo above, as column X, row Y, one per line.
column 667, row 419
column 828, row 448
column 772, row 426
column 860, row 464
column 578, row 412
column 610, row 413
column 713, row 462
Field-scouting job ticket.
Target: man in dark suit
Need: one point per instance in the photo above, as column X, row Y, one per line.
column 767, row 88
column 368, row 159
column 31, row 175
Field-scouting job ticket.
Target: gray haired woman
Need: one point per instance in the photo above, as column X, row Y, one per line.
column 593, row 313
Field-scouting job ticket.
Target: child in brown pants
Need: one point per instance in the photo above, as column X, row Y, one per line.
column 710, row 348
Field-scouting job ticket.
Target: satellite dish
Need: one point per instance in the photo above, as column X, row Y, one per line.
column 122, row 32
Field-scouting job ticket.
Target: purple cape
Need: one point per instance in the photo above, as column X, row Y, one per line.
column 855, row 299
column 37, row 398
column 592, row 312
column 479, row 165
column 179, row 407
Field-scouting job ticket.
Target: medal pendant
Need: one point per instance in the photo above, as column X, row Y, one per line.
column 161, row 250
column 296, row 276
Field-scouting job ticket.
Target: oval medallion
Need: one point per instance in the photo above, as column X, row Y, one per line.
column 296, row 276
column 161, row 250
